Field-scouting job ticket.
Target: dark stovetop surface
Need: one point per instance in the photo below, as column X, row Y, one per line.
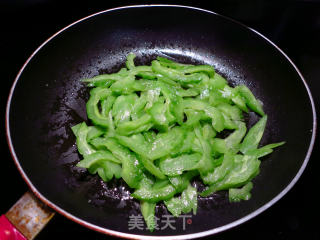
column 293, row 25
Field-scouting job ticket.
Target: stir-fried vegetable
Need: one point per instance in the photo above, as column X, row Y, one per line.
column 156, row 128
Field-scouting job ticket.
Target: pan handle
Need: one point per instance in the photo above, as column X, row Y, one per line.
column 25, row 219
column 8, row 231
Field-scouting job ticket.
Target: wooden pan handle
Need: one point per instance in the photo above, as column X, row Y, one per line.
column 25, row 219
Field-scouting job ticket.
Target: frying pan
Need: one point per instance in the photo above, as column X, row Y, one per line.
column 47, row 98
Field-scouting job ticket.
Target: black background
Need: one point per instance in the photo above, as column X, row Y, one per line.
column 293, row 25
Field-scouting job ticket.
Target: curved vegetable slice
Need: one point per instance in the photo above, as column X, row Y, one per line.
column 183, row 204
column 244, row 170
column 165, row 143
column 176, row 166
column 234, row 139
column 152, row 168
column 81, row 131
column 148, row 213
column 106, row 170
column 265, row 150
column 97, row 157
column 155, row 195
column 122, row 108
column 131, row 167
column 250, row 99
column 136, row 126
column 181, row 182
column 211, row 112
column 177, row 75
column 254, row 135
column 97, row 95
column 238, row 194
column 220, row 172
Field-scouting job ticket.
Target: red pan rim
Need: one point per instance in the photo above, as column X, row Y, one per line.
column 135, row 236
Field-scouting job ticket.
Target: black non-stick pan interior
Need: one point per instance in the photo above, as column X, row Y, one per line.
column 48, row 99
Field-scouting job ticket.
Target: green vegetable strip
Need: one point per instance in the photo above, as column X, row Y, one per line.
column 136, row 126
column 148, row 212
column 184, row 204
column 228, row 123
column 158, row 127
column 231, row 111
column 147, row 75
column 155, row 195
column 84, row 147
column 177, row 75
column 220, row 172
column 176, row 166
column 171, row 64
column 94, row 132
column 181, row 182
column 205, row 164
column 125, row 85
column 159, row 115
column 75, row 129
column 211, row 112
column 240, row 103
column 96, row 157
column 104, row 80
column 252, row 139
column 165, row 143
column 265, row 150
column 129, row 62
column 136, row 143
column 97, row 95
column 131, row 171
column 250, row 99
column 234, row 139
column 162, row 145
column 217, row 82
column 236, row 195
column 201, row 68
column 107, row 170
column 193, row 117
column 243, row 171
column 152, row 168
